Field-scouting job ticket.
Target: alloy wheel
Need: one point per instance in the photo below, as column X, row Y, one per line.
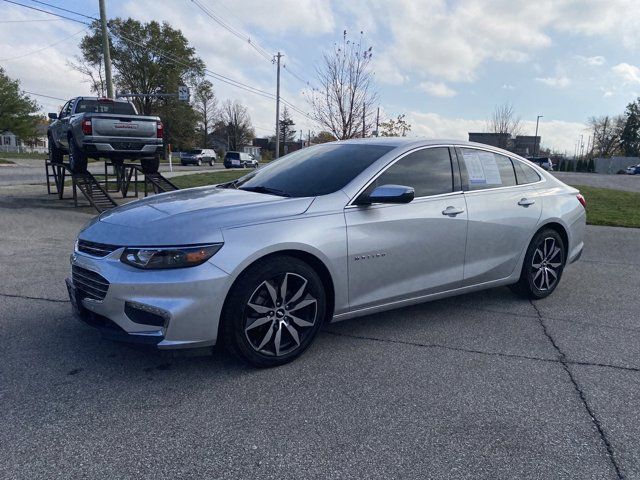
column 546, row 264
column 280, row 314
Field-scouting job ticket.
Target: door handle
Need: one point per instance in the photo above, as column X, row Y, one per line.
column 525, row 202
column 452, row 211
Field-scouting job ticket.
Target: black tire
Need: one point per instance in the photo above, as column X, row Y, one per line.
column 77, row 158
column 199, row 162
column 150, row 165
column 279, row 336
column 544, row 260
column 55, row 154
column 211, row 162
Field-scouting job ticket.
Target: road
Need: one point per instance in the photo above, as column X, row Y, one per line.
column 32, row 172
column 629, row 183
column 480, row 386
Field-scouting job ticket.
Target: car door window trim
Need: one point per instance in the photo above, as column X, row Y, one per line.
column 455, row 184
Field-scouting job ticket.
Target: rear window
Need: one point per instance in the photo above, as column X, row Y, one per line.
column 233, row 155
column 195, row 152
column 105, row 106
column 317, row 170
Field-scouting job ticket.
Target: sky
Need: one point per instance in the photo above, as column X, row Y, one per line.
column 445, row 64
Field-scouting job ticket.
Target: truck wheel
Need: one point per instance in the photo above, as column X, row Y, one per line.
column 150, row 165
column 77, row 158
column 55, row 154
column 199, row 162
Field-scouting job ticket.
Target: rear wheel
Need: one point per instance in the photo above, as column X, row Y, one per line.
column 150, row 165
column 274, row 311
column 77, row 158
column 199, row 162
column 543, row 266
column 55, row 154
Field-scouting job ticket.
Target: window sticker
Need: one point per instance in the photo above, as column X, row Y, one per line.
column 474, row 167
column 490, row 167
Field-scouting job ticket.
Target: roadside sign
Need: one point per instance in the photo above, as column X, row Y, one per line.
column 183, row 93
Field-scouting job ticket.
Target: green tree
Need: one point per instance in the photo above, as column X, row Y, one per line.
column 147, row 58
column 18, row 112
column 287, row 128
column 205, row 104
column 323, row 137
column 630, row 137
column 395, row 128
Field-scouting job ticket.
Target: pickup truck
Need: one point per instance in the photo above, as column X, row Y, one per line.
column 90, row 127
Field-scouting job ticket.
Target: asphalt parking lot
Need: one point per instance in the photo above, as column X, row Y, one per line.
column 629, row 183
column 481, row 386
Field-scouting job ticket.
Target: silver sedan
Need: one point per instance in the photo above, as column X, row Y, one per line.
column 323, row 234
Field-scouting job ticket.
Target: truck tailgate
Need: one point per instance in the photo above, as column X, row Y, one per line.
column 123, row 126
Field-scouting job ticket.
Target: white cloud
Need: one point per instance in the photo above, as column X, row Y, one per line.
column 629, row 74
column 508, row 86
column 555, row 134
column 438, row 89
column 560, row 81
column 595, row 61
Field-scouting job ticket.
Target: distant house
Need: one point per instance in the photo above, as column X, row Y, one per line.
column 9, row 142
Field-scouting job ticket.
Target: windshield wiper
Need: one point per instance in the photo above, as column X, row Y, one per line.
column 232, row 184
column 268, row 190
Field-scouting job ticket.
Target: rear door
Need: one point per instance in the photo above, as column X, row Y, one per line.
column 502, row 214
column 398, row 252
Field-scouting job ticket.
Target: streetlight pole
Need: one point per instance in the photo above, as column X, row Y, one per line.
column 535, row 138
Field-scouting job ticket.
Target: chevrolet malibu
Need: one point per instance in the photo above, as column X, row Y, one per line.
column 323, row 234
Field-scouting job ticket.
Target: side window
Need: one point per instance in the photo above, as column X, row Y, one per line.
column 524, row 173
column 487, row 169
column 428, row 171
column 65, row 110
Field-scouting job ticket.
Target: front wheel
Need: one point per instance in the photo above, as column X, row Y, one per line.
column 55, row 154
column 543, row 266
column 274, row 311
column 150, row 165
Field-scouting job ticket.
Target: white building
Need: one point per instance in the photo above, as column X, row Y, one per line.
column 9, row 142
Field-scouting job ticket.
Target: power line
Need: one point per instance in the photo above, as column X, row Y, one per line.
column 48, row 12
column 43, row 48
column 33, row 20
column 45, row 96
column 63, row 9
column 232, row 30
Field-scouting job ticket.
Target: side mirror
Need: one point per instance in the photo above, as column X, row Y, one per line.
column 389, row 194
column 53, row 116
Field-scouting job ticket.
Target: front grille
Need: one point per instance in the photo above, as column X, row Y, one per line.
column 89, row 284
column 95, row 249
column 126, row 146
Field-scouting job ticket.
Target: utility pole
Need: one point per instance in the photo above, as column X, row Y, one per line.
column 363, row 112
column 105, row 49
column 309, row 141
column 378, row 122
column 535, row 138
column 278, row 56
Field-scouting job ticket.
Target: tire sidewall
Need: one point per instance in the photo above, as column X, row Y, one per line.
column 243, row 289
column 77, row 158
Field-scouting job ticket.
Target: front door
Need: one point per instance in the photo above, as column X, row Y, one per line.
column 403, row 251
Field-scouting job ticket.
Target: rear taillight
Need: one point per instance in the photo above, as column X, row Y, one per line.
column 160, row 130
column 87, row 129
column 581, row 199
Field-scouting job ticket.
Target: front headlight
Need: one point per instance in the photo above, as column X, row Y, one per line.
column 169, row 257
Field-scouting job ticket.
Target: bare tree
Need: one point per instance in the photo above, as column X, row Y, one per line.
column 238, row 124
column 94, row 72
column 344, row 102
column 205, row 104
column 504, row 121
column 606, row 134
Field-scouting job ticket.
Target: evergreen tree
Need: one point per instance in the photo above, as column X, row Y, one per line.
column 630, row 137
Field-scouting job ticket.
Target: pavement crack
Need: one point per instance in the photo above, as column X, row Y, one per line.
column 27, row 297
column 443, row 347
column 562, row 358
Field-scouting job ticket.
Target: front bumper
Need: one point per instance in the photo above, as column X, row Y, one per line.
column 189, row 300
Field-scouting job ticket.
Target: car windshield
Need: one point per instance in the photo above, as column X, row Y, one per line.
column 105, row 106
column 317, row 170
column 195, row 152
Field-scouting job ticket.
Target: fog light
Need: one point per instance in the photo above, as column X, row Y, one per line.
column 146, row 314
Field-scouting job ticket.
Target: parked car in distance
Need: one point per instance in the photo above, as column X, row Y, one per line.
column 544, row 162
column 633, row 170
column 326, row 233
column 90, row 127
column 239, row 160
column 198, row 156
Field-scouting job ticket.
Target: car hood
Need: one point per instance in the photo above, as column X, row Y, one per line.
column 190, row 216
